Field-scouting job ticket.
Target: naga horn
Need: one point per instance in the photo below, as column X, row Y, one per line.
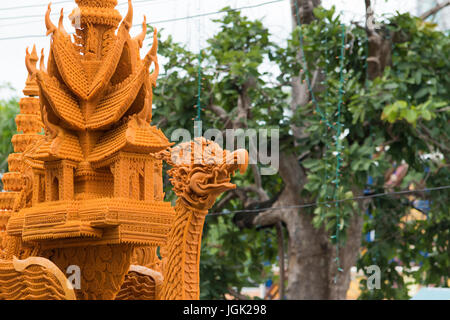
column 141, row 37
column 128, row 20
column 51, row 28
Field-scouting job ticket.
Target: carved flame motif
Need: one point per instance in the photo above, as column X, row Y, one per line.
column 94, row 88
column 93, row 179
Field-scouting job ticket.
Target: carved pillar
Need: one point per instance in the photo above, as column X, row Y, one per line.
column 50, row 187
column 134, row 185
column 157, row 178
column 120, row 169
column 149, row 185
column 66, row 173
column 38, row 186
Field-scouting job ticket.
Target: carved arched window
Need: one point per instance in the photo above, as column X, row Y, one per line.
column 141, row 188
column 55, row 189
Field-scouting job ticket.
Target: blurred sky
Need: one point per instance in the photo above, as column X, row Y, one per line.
column 24, row 27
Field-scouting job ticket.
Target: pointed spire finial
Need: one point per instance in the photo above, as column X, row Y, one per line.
column 154, row 49
column 152, row 56
column 34, row 57
column 60, row 23
column 31, row 89
column 128, row 20
column 31, row 67
column 141, row 37
column 42, row 63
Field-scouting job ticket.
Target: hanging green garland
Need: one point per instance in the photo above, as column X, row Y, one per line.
column 338, row 151
column 198, row 118
column 337, row 126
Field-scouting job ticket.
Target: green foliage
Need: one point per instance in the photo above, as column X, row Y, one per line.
column 400, row 110
column 322, row 47
column 397, row 117
column 401, row 116
column 232, row 258
column 415, row 91
column 175, row 94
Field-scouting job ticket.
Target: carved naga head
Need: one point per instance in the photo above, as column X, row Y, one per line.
column 202, row 170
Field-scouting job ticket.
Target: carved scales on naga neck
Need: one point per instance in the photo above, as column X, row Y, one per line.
column 92, row 190
column 200, row 172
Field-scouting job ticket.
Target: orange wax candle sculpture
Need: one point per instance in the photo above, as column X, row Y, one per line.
column 88, row 193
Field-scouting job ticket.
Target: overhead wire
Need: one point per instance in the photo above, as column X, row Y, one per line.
column 33, row 5
column 314, row 204
column 169, row 20
column 43, row 5
column 55, row 14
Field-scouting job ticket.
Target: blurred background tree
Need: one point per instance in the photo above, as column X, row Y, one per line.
column 394, row 114
column 394, row 136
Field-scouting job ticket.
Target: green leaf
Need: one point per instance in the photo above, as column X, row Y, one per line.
column 411, row 115
column 426, row 115
column 391, row 86
column 319, row 13
column 421, row 93
column 310, row 163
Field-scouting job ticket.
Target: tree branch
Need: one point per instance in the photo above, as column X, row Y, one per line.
column 242, row 194
column 305, row 10
column 443, row 109
column 258, row 188
column 426, row 135
column 379, row 55
column 267, row 218
column 237, row 295
column 223, row 202
column 434, row 10
column 244, row 104
column 162, row 122
column 294, row 179
column 314, row 79
column 222, row 114
column 262, row 195
column 369, row 17
column 357, row 24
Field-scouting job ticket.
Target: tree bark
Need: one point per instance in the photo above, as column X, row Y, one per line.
column 435, row 10
column 311, row 256
column 379, row 55
column 348, row 254
column 308, row 246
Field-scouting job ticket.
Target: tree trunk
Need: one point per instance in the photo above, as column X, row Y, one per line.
column 311, row 255
column 312, row 268
column 313, row 272
column 308, row 246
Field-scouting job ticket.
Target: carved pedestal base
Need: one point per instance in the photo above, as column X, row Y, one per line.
column 102, row 268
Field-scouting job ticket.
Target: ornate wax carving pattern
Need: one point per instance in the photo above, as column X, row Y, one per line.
column 197, row 182
column 103, row 268
column 89, row 192
column 34, row 283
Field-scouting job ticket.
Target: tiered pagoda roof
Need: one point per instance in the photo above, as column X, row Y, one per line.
column 95, row 176
column 90, row 86
column 29, row 126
